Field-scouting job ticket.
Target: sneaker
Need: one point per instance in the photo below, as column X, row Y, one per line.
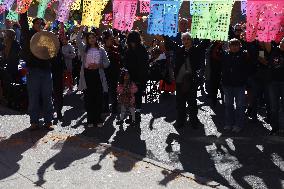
column 33, row 127
column 129, row 120
column 100, row 125
column 49, row 126
column 227, row 128
column 236, row 129
column 90, row 125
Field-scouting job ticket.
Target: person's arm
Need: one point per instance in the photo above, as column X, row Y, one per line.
column 79, row 41
column 105, row 60
column 70, row 53
column 24, row 23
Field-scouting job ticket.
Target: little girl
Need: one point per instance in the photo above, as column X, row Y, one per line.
column 126, row 90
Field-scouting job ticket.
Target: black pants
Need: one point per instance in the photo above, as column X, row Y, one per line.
column 93, row 96
column 138, row 96
column 57, row 80
column 181, row 99
column 214, row 85
column 113, row 94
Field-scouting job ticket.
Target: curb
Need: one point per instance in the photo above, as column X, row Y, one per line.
column 200, row 180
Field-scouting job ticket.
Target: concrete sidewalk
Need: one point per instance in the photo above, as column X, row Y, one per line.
column 57, row 160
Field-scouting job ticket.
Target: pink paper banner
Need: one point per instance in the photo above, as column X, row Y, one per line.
column 6, row 5
column 144, row 6
column 64, row 9
column 124, row 14
column 23, row 6
column 265, row 20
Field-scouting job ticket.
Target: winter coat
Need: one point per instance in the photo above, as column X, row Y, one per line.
column 83, row 54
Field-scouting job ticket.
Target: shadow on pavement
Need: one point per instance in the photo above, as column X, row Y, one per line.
column 11, row 149
column 72, row 149
column 162, row 109
column 76, row 110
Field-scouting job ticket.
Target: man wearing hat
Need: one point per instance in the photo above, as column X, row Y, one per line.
column 39, row 80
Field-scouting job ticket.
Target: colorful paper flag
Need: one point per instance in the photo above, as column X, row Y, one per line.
column 144, row 6
column 92, row 12
column 163, row 18
column 41, row 8
column 265, row 20
column 13, row 16
column 76, row 5
column 64, row 10
column 244, row 7
column 211, row 21
column 123, row 14
column 23, row 6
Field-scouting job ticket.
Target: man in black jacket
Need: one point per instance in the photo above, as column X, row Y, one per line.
column 234, row 78
column 187, row 64
column 39, row 80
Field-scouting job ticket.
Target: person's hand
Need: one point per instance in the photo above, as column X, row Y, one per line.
column 93, row 66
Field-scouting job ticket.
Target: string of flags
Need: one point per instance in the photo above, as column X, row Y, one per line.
column 210, row 18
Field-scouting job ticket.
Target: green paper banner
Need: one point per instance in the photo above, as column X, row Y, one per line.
column 212, row 20
column 41, row 8
column 13, row 16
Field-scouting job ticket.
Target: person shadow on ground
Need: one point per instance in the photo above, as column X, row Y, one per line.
column 129, row 140
column 12, row 149
column 72, row 149
column 193, row 157
column 264, row 162
column 163, row 108
column 76, row 111
column 124, row 143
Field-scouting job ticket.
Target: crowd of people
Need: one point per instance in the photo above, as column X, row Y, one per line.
column 112, row 69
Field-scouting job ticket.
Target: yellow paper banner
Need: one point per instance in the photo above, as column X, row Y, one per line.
column 92, row 12
column 76, row 5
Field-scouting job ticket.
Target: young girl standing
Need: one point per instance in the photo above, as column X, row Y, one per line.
column 126, row 90
column 92, row 76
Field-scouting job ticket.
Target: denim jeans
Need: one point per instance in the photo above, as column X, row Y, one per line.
column 276, row 90
column 39, row 85
column 259, row 90
column 236, row 118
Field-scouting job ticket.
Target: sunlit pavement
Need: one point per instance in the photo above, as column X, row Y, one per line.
column 151, row 155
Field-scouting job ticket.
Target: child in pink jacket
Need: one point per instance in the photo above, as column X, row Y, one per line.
column 126, row 90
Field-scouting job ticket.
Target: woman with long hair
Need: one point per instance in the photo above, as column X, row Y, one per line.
column 92, row 76
column 136, row 61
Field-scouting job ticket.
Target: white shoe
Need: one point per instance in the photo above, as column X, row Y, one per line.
column 227, row 128
column 100, row 125
column 90, row 125
column 236, row 129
